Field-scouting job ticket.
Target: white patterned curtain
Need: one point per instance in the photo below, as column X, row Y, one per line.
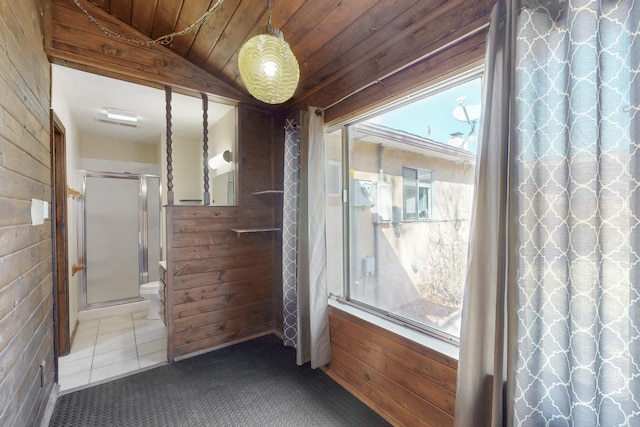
column 290, row 231
column 306, row 317
column 566, row 347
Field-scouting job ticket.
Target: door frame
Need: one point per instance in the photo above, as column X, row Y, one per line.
column 60, row 239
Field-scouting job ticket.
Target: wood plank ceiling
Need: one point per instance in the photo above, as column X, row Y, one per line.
column 341, row 45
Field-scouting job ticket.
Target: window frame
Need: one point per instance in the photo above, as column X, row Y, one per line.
column 418, row 185
column 343, row 126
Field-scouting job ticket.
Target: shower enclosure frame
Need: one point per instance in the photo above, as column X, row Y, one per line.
column 143, row 234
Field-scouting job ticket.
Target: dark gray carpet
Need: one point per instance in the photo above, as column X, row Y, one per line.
column 255, row 383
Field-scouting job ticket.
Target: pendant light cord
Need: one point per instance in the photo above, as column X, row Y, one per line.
column 270, row 12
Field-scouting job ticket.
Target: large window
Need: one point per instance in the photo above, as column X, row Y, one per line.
column 398, row 245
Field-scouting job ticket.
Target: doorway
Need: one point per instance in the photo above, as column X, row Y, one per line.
column 59, row 237
column 120, row 236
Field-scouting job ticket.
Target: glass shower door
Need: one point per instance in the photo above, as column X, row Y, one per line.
column 112, row 238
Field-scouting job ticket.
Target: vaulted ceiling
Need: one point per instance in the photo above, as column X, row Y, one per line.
column 342, row 46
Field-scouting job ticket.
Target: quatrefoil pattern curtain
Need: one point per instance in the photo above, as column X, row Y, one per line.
column 577, row 160
column 551, row 322
column 304, row 258
column 290, row 232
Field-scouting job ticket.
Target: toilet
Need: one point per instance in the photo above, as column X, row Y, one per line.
column 151, row 291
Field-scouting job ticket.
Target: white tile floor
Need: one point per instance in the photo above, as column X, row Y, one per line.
column 111, row 347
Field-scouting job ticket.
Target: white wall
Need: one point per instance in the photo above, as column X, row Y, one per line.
column 72, row 137
column 97, row 147
column 188, row 171
column 223, row 136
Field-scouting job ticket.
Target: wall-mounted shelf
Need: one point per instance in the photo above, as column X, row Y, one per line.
column 268, row 192
column 253, row 230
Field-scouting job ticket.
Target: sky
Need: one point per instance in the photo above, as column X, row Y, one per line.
column 435, row 114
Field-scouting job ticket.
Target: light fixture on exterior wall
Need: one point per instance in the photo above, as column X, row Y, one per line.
column 220, row 160
column 267, row 66
column 121, row 115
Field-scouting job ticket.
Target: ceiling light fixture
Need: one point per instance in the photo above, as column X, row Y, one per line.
column 121, row 115
column 267, row 66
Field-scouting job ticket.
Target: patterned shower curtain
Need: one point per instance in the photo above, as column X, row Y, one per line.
column 566, row 349
column 290, row 231
column 305, row 304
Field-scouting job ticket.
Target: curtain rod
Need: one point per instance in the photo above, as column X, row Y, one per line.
column 409, row 64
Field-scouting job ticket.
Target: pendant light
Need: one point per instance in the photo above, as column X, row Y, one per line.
column 268, row 68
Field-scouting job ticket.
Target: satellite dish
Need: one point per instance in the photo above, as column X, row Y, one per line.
column 467, row 114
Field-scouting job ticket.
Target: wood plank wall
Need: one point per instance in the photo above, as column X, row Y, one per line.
column 408, row 384
column 221, row 285
column 74, row 41
column 26, row 279
column 465, row 54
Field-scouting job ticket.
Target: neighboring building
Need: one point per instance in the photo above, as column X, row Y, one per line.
column 412, row 200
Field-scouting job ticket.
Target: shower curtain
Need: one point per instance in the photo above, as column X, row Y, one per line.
column 306, row 318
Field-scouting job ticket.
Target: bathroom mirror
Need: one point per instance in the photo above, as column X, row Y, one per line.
column 187, row 151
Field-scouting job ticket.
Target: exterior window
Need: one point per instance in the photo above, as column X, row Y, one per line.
column 417, row 195
column 398, row 245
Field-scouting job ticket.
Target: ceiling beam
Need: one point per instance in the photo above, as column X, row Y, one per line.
column 71, row 39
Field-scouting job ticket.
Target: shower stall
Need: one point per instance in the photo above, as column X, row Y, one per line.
column 119, row 236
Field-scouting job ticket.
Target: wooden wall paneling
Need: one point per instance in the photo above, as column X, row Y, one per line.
column 389, row 409
column 225, row 250
column 103, row 4
column 12, row 324
column 21, row 389
column 184, row 268
column 18, row 263
column 169, row 301
column 215, row 237
column 418, row 395
column 442, row 65
column 187, row 16
column 165, row 17
column 240, row 28
column 226, row 338
column 17, row 290
column 413, row 39
column 257, row 291
column 405, row 382
column 142, row 15
column 192, row 322
column 210, row 32
column 362, row 44
column 218, row 290
column 444, row 372
column 17, row 160
column 220, row 276
column 210, row 308
column 318, row 27
column 26, row 73
column 73, row 38
column 13, row 186
column 122, row 10
column 221, row 283
column 12, row 241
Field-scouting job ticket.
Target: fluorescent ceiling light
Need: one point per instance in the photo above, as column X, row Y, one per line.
column 125, row 116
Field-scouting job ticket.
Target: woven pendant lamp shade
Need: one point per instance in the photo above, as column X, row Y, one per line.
column 268, row 68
